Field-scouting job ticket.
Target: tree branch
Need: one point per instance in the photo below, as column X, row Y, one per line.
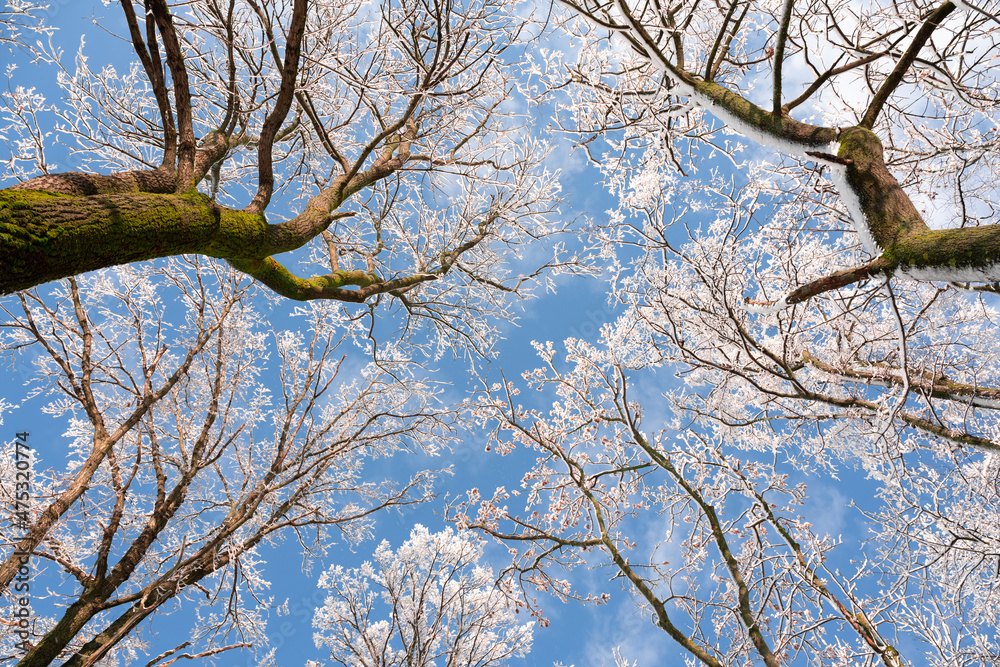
column 825, row 76
column 182, row 92
column 934, row 386
column 779, row 55
column 903, row 65
column 154, row 72
column 286, row 93
column 329, row 286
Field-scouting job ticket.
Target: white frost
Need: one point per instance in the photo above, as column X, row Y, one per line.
column 756, row 134
column 986, row 274
column 838, row 174
column 762, row 309
column 838, row 171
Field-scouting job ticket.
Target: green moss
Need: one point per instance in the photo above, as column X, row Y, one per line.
column 45, row 236
column 861, row 146
column 779, row 125
column 973, row 248
column 281, row 280
column 239, row 234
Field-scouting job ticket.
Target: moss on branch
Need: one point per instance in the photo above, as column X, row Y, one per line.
column 975, row 249
column 285, row 283
column 46, row 236
column 779, row 126
column 890, row 214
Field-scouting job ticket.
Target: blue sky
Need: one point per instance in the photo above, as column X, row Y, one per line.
column 578, row 635
column 578, row 309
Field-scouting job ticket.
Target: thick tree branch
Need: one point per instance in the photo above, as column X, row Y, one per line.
column 154, row 72
column 329, row 286
column 903, row 65
column 286, row 93
column 934, row 386
column 710, row 94
column 159, row 181
column 162, row 180
column 939, row 254
column 816, row 287
column 48, row 236
column 182, row 92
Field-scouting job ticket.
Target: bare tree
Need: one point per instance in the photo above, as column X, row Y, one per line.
column 878, row 369
column 384, row 141
column 711, row 539
column 441, row 606
column 384, row 128
column 726, row 270
column 896, row 378
column 900, row 105
column 191, row 452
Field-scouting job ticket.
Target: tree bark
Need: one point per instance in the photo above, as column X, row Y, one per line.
column 905, row 244
column 46, row 236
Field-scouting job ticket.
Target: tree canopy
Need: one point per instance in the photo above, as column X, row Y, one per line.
column 894, row 105
column 380, row 133
column 204, row 425
column 805, row 301
column 800, row 251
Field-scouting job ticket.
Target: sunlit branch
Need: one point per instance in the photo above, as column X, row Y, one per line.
column 903, row 65
column 779, row 55
column 927, row 384
column 286, row 93
column 182, row 93
column 154, row 72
